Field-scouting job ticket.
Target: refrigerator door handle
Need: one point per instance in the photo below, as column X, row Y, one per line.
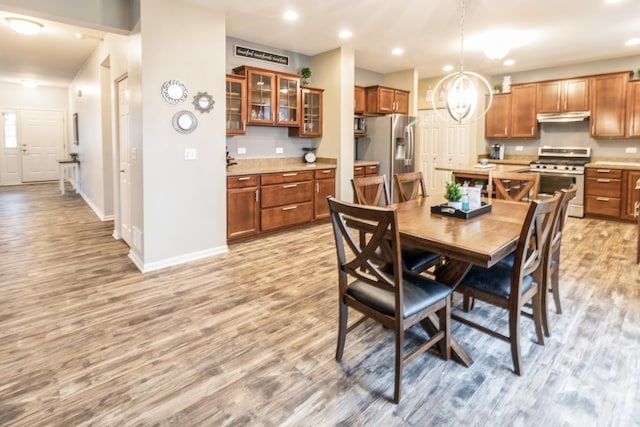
column 409, row 154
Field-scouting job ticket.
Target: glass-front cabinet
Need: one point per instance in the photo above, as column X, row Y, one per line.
column 236, row 110
column 311, row 124
column 261, row 97
column 288, row 101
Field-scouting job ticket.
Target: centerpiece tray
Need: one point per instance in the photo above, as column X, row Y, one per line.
column 445, row 209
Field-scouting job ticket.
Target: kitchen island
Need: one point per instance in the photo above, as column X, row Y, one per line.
column 474, row 174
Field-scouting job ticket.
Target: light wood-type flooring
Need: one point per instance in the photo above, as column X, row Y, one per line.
column 248, row 338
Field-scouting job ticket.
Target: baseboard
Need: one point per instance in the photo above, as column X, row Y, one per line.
column 182, row 259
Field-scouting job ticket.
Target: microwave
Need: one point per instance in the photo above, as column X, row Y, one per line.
column 359, row 125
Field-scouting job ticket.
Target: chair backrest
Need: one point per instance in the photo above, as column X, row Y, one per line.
column 371, row 190
column 409, row 186
column 359, row 258
column 530, row 252
column 516, row 186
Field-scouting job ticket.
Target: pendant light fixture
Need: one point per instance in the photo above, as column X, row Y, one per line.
column 460, row 89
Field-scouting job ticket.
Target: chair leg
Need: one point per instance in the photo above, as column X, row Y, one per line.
column 544, row 306
column 514, row 337
column 468, row 303
column 555, row 289
column 538, row 316
column 342, row 329
column 399, row 364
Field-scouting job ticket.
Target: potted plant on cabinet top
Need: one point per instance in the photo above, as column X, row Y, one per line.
column 73, row 156
column 306, row 74
column 453, row 194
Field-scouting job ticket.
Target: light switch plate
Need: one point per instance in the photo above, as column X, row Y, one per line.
column 631, row 150
column 279, row 150
column 519, row 148
column 190, row 154
column 242, row 150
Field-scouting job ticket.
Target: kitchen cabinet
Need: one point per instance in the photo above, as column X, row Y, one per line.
column 369, row 170
column 386, row 100
column 325, row 186
column 563, row 95
column 286, row 199
column 311, row 123
column 630, row 201
column 513, row 115
column 243, row 213
column 359, row 100
column 272, row 98
column 603, row 188
column 608, row 102
column 236, row 109
column 633, row 109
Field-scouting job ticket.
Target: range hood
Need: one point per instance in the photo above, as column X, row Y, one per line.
column 576, row 116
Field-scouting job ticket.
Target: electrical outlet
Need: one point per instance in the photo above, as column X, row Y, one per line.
column 519, row 148
column 279, row 150
column 631, row 150
column 242, row 150
column 190, row 154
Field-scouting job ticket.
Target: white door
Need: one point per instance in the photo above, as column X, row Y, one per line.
column 442, row 143
column 124, row 161
column 10, row 154
column 41, row 140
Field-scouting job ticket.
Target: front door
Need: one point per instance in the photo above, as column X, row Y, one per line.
column 42, row 142
column 124, row 154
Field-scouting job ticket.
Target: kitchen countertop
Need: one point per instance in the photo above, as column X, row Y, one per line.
column 511, row 160
column 274, row 165
column 358, row 163
column 615, row 163
column 470, row 169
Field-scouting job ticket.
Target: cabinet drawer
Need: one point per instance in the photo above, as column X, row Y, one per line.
column 279, row 195
column 286, row 215
column 358, row 171
column 242, row 181
column 284, row 177
column 605, row 187
column 371, row 170
column 599, row 205
column 325, row 173
column 604, row 173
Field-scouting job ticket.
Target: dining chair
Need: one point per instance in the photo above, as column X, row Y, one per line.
column 515, row 186
column 510, row 288
column 409, row 185
column 414, row 259
column 395, row 298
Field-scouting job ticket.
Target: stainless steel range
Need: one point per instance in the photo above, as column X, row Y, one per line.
column 559, row 167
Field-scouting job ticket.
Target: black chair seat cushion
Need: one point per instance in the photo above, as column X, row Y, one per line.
column 417, row 259
column 510, row 259
column 495, row 280
column 418, row 293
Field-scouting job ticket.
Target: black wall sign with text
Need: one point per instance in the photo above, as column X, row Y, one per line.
column 260, row 55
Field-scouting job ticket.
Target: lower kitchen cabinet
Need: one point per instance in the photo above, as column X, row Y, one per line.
column 325, row 186
column 243, row 213
column 631, row 202
column 287, row 199
column 603, row 190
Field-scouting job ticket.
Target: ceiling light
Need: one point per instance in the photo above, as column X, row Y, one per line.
column 345, row 34
column 509, row 62
column 496, row 51
column 632, row 42
column 24, row 26
column 397, row 51
column 460, row 89
column 29, row 83
column 447, row 68
column 290, row 15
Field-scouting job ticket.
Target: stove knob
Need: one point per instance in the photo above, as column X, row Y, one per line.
column 555, row 167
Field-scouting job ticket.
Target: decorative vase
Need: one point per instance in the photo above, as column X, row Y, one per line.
column 455, row 205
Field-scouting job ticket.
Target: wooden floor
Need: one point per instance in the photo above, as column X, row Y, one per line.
column 248, row 337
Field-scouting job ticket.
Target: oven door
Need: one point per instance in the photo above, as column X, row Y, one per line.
column 552, row 182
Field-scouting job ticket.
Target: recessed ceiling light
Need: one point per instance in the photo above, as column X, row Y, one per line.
column 397, row 51
column 345, row 34
column 290, row 15
column 509, row 62
column 24, row 26
column 612, row 1
column 447, row 68
column 29, row 83
column 633, row 42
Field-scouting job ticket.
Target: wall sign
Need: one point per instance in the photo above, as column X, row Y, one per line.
column 260, row 55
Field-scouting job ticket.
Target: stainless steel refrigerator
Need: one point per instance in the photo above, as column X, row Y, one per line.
column 390, row 141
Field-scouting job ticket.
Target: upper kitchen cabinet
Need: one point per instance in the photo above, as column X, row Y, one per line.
column 608, row 102
column 563, row 95
column 633, row 109
column 272, row 98
column 236, row 109
column 386, row 100
column 513, row 115
column 311, row 125
column 359, row 100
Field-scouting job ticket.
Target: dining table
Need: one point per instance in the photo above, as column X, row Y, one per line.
column 481, row 240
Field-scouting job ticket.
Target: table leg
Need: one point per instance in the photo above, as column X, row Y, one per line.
column 61, row 178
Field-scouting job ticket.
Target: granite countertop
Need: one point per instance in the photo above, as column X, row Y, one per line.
column 614, row 163
column 510, row 160
column 279, row 164
column 357, row 163
column 471, row 169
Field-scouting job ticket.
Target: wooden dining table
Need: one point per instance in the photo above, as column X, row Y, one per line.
column 482, row 240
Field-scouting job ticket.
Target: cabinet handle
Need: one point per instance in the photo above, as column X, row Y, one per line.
column 244, row 125
column 317, row 187
column 244, row 178
column 505, row 131
column 603, row 170
column 636, row 207
column 531, row 130
column 602, row 199
column 290, row 174
column 257, row 196
column 603, row 180
column 326, row 171
column 357, row 169
column 288, row 208
column 290, row 186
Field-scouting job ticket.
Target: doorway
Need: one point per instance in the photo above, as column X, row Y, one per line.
column 42, row 141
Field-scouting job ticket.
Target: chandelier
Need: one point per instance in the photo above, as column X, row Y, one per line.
column 460, row 89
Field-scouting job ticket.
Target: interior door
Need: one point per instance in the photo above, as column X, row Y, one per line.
column 124, row 161
column 10, row 153
column 42, row 143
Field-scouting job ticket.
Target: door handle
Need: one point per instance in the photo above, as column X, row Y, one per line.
column 122, row 170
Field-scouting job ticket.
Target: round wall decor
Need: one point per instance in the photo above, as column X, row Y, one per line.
column 184, row 121
column 173, row 91
column 203, row 102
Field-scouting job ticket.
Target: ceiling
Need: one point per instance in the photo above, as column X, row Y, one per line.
column 556, row 33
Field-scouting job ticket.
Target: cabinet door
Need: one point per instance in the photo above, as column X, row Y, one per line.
column 243, row 215
column 576, row 95
column 312, row 112
column 401, row 105
column 324, row 188
column 261, row 97
column 496, row 121
column 236, row 110
column 523, row 111
column 287, row 100
column 632, row 204
column 549, row 97
column 633, row 109
column 358, row 100
column 608, row 105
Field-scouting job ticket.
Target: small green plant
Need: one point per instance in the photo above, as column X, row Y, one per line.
column 305, row 72
column 73, row 155
column 497, row 87
column 453, row 192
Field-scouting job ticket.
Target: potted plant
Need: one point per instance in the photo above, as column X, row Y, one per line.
column 497, row 88
column 306, row 74
column 74, row 156
column 453, row 194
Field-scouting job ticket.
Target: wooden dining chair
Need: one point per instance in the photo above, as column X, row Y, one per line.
column 515, row 186
column 510, row 288
column 414, row 259
column 395, row 298
column 409, row 186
